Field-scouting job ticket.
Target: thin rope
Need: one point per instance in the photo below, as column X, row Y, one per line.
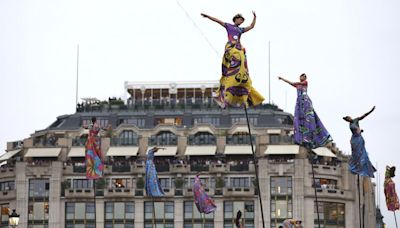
column 255, row 166
column 198, row 28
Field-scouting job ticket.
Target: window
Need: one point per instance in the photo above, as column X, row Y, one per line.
column 38, row 206
column 243, row 120
column 202, row 138
column 205, row 119
column 232, row 207
column 140, row 122
column 174, row 121
column 82, row 183
column 119, row 214
column 193, row 219
column 207, row 182
column 331, row 214
column 79, row 214
column 101, row 121
column 164, row 214
column 275, row 139
column 165, row 183
column 163, row 138
column 325, row 183
column 4, row 215
column 7, row 186
column 239, row 182
column 281, row 200
column 241, row 138
column 126, row 138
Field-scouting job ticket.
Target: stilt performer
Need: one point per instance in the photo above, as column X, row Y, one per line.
column 236, row 88
column 204, row 203
column 309, row 131
column 94, row 164
column 152, row 183
column 392, row 201
column 359, row 163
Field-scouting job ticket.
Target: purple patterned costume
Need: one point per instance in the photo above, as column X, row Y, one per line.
column 308, row 128
column 203, row 202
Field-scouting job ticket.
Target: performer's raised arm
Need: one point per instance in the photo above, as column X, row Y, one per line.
column 253, row 23
column 213, row 19
column 366, row 114
column 287, row 81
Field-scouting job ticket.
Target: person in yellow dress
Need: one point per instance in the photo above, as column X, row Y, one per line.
column 236, row 88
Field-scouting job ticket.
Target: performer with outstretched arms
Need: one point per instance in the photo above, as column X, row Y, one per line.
column 359, row 162
column 152, row 184
column 235, row 84
column 308, row 128
column 94, row 164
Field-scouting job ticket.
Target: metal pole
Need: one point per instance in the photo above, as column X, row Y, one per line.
column 269, row 71
column 394, row 213
column 359, row 199
column 315, row 189
column 77, row 77
column 256, row 168
column 94, row 201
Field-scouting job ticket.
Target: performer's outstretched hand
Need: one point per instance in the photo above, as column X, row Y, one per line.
column 254, row 13
column 204, row 15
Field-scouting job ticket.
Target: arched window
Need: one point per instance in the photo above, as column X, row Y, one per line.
column 240, row 138
column 202, row 138
column 126, row 138
column 163, row 138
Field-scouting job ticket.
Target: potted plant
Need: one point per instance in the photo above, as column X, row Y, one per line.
column 179, row 182
column 140, row 183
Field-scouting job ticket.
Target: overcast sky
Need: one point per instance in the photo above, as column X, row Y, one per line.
column 349, row 49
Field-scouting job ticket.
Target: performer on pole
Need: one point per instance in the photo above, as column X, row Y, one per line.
column 152, row 184
column 308, row 128
column 359, row 162
column 203, row 201
column 392, row 201
column 235, row 84
column 94, row 164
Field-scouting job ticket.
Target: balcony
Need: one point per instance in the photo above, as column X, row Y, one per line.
column 199, row 168
column 8, row 195
column 79, row 168
column 162, row 167
column 239, row 168
column 138, row 168
column 180, row 168
column 218, row 168
column 121, row 168
column 329, row 193
column 79, row 193
column 240, row 191
column 327, row 170
column 7, row 172
column 119, row 192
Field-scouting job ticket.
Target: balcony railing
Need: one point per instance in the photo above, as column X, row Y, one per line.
column 79, row 169
column 199, row 168
column 121, row 168
column 239, row 167
column 124, row 141
column 162, row 167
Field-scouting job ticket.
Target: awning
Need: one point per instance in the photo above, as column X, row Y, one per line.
column 77, row 152
column 168, row 151
column 238, row 149
column 200, row 150
column 282, row 149
column 43, row 152
column 123, row 151
column 9, row 154
column 324, row 152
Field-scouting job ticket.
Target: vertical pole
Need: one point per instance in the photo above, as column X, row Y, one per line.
column 255, row 167
column 154, row 212
column 359, row 199
column 77, row 77
column 269, row 71
column 315, row 188
column 94, row 200
column 394, row 213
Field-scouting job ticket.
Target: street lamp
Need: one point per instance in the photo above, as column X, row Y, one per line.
column 13, row 219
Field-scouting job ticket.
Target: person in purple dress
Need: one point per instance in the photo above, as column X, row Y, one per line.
column 308, row 128
column 359, row 162
column 203, row 201
column 236, row 88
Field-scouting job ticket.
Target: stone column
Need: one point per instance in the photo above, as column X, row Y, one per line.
column 22, row 191
column 219, row 213
column 55, row 194
column 139, row 213
column 99, row 212
column 178, row 211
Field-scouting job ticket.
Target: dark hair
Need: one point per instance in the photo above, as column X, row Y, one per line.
column 303, row 74
column 392, row 170
column 237, row 16
column 93, row 119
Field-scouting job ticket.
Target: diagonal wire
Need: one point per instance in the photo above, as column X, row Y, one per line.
column 198, row 28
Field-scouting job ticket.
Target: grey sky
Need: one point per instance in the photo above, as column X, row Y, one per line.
column 349, row 49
